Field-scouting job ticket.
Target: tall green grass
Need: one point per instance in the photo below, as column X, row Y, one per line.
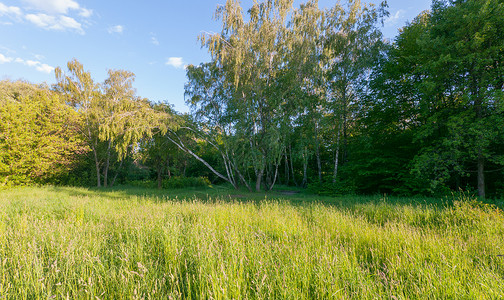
column 68, row 243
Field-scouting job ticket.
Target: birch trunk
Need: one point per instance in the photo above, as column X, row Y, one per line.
column 97, row 164
column 259, row 179
column 336, row 158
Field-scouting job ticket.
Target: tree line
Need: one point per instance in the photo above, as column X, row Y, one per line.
column 305, row 96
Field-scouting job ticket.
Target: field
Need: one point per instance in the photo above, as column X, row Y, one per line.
column 220, row 244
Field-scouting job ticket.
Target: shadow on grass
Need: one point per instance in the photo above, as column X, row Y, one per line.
column 222, row 193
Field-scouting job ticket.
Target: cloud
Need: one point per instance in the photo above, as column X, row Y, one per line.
column 41, row 67
column 44, row 68
column 48, row 14
column 57, row 6
column 176, row 62
column 9, row 10
column 32, row 63
column 153, row 39
column 85, row 13
column 4, row 59
column 60, row 23
column 115, row 29
column 395, row 18
column 12, row 12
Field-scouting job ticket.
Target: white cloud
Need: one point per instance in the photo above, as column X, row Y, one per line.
column 4, row 59
column 67, row 22
column 41, row 20
column 85, row 13
column 48, row 14
column 115, row 29
column 9, row 10
column 395, row 18
column 60, row 23
column 32, row 63
column 45, row 68
column 154, row 40
column 53, row 6
column 176, row 62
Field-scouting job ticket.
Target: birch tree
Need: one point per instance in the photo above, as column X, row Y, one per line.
column 251, row 55
column 115, row 119
column 352, row 41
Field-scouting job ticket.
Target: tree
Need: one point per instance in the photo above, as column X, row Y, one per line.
column 115, row 119
column 38, row 137
column 462, row 55
column 208, row 93
column 470, row 36
column 352, row 44
column 443, row 80
column 250, row 55
column 83, row 94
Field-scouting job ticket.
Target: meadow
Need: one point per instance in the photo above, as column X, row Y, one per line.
column 132, row 243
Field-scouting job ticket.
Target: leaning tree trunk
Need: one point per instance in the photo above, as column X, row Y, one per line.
column 274, row 177
column 182, row 147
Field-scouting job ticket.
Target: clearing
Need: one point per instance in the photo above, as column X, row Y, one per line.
column 141, row 243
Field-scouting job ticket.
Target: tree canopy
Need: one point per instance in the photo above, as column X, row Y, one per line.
column 306, row 96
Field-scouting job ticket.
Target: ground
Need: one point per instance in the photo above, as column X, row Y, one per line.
column 64, row 242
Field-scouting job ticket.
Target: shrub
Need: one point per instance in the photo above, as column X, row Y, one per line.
column 150, row 184
column 177, row 182
column 328, row 188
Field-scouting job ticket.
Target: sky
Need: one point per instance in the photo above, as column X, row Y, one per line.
column 154, row 39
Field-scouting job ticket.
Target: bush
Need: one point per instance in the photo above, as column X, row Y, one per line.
column 149, row 184
column 329, row 188
column 177, row 182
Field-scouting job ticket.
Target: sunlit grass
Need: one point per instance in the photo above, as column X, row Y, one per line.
column 130, row 243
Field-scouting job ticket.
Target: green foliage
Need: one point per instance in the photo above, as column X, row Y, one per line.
column 282, row 75
column 177, row 182
column 38, row 137
column 145, row 183
column 441, row 82
column 329, row 188
column 174, row 182
column 114, row 118
column 293, row 95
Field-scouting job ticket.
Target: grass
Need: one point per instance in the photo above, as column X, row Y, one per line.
column 218, row 243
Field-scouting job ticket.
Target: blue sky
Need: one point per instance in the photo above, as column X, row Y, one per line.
column 153, row 39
